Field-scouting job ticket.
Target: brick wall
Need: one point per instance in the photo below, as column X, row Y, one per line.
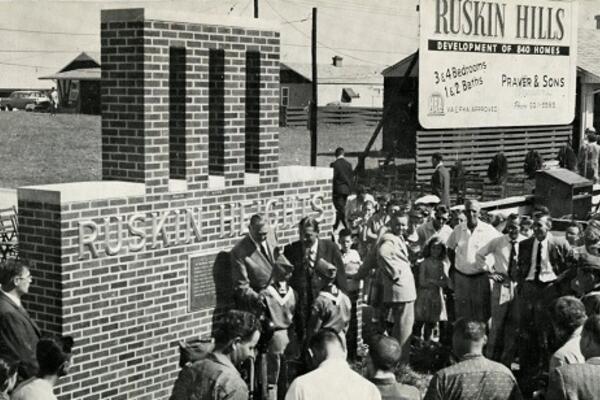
column 128, row 266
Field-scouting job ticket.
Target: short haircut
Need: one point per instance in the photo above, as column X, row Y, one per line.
column 526, row 221
column 568, row 313
column 591, row 234
column 541, row 215
column 470, row 330
column 360, row 189
column 542, row 210
column 345, row 233
column 339, row 151
column 307, row 222
column 591, row 302
column 441, row 209
column 233, row 324
column 472, row 203
column 51, row 353
column 438, row 156
column 513, row 217
column 592, row 328
column 319, row 342
column 385, row 351
column 575, row 224
column 257, row 219
column 9, row 270
column 7, row 370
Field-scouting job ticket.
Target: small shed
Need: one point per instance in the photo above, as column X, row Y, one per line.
column 78, row 85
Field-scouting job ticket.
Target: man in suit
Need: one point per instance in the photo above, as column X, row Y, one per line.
column 580, row 381
column 252, row 264
column 440, row 179
column 304, row 254
column 19, row 334
column 397, row 283
column 542, row 259
column 343, row 177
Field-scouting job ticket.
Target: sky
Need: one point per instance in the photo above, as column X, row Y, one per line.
column 39, row 37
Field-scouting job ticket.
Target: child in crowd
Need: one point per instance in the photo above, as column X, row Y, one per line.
column 591, row 302
column 8, row 378
column 280, row 305
column 350, row 257
column 332, row 308
column 526, row 226
column 430, row 307
column 363, row 236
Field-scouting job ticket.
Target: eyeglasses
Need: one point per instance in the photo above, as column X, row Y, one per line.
column 26, row 277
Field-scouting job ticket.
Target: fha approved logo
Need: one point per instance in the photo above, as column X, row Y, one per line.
column 436, row 104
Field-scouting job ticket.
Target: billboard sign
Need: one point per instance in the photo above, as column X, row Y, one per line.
column 497, row 63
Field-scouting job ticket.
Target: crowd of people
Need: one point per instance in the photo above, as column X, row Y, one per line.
column 514, row 306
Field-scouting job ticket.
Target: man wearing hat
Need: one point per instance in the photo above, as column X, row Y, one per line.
column 252, row 263
column 331, row 308
column 280, row 304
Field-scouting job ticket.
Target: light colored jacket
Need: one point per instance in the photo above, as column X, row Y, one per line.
column 397, row 280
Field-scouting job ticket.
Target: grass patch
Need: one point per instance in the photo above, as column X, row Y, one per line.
column 39, row 149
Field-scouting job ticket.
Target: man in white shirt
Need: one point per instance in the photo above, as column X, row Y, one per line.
column 504, row 322
column 542, row 258
column 333, row 379
column 470, row 278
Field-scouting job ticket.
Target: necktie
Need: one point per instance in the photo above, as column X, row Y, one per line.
column 263, row 249
column 538, row 263
column 512, row 260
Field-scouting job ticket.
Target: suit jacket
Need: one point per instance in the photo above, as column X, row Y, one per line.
column 440, row 184
column 302, row 277
column 575, row 381
column 397, row 280
column 251, row 271
column 343, row 176
column 560, row 257
column 19, row 336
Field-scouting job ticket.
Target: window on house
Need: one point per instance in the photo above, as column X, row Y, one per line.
column 285, row 96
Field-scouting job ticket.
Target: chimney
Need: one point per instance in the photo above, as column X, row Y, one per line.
column 597, row 18
column 337, row 61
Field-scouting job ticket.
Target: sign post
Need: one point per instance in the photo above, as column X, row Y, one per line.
column 497, row 63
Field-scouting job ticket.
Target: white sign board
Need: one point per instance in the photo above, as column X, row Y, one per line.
column 497, row 63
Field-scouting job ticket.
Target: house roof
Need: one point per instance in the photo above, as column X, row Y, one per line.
column 398, row 70
column 83, row 74
column 84, row 67
column 329, row 74
column 588, row 53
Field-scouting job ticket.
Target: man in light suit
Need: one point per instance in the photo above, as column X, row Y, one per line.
column 440, row 179
column 304, row 254
column 252, row 264
column 542, row 259
column 580, row 381
column 343, row 178
column 19, row 334
column 397, row 282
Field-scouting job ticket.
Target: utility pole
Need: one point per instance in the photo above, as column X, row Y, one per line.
column 255, row 8
column 313, row 104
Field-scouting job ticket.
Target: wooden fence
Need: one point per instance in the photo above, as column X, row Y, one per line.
column 298, row 116
column 476, row 147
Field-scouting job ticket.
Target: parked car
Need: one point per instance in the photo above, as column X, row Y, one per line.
column 20, row 99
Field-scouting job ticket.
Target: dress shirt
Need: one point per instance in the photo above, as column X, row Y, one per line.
column 426, row 231
column 568, row 353
column 499, row 248
column 352, row 261
column 332, row 380
column 475, row 378
column 263, row 247
column 34, row 389
column 546, row 273
column 392, row 390
column 466, row 244
column 312, row 253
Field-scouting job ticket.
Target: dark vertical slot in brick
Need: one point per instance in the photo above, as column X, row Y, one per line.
column 177, row 100
column 216, row 112
column 252, row 110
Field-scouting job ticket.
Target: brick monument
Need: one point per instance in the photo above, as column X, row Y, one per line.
column 190, row 150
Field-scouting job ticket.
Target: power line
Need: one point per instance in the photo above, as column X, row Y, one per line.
column 348, row 48
column 49, row 32
column 319, row 42
column 354, row 8
column 27, row 65
column 40, row 51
